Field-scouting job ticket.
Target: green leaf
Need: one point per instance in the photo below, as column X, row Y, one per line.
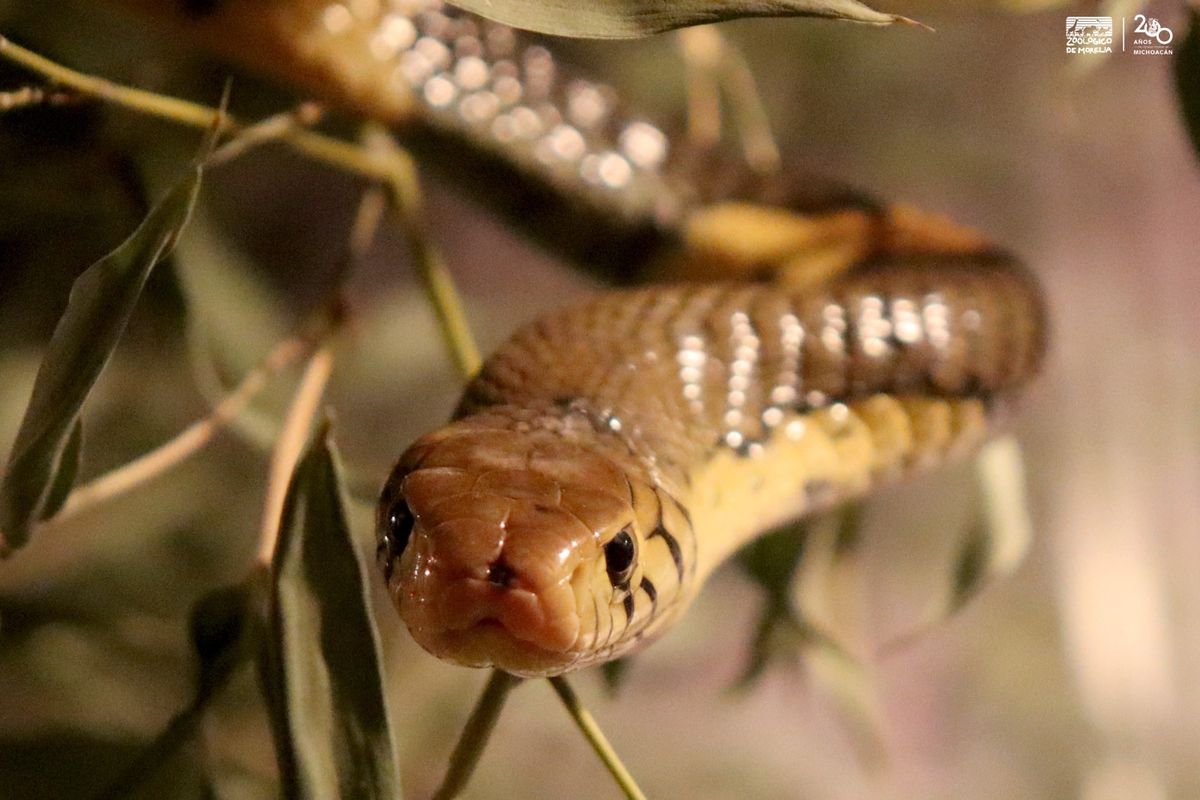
column 65, row 473
column 221, row 629
column 993, row 547
column 771, row 562
column 628, row 19
column 1187, row 78
column 615, row 673
column 101, row 302
column 998, row 544
column 322, row 667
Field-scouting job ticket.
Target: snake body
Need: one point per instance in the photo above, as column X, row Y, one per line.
column 610, row 456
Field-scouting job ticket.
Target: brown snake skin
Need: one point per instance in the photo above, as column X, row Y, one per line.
column 688, row 419
column 611, row 455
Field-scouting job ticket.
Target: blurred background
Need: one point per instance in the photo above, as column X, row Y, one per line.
column 1074, row 678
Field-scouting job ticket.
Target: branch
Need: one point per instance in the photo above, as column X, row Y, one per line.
column 190, row 441
column 475, row 734
column 333, row 151
column 591, row 731
column 404, row 191
column 289, row 447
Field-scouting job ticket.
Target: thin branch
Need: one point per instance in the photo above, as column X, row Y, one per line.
column 591, row 731
column 273, row 128
column 28, row 96
column 701, row 51
column 290, row 445
column 713, row 66
column 336, row 152
column 404, row 189
column 190, row 441
column 475, row 734
column 394, row 169
column 180, row 731
column 749, row 112
column 371, row 207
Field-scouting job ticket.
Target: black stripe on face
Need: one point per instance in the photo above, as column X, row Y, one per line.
column 629, row 605
column 673, row 546
column 672, row 542
column 652, row 593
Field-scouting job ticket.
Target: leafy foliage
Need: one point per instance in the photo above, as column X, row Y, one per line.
column 625, row 19
column 45, row 456
column 322, row 671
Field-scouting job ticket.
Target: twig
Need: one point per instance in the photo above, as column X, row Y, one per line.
column 476, row 734
column 290, row 445
column 404, row 190
column 715, row 66
column 591, row 731
column 371, row 206
column 395, row 170
column 335, row 152
column 749, row 113
column 215, row 675
column 28, row 96
column 190, row 441
column 181, row 730
column 701, row 50
column 271, row 129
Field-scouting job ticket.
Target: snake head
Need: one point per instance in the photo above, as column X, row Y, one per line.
column 511, row 542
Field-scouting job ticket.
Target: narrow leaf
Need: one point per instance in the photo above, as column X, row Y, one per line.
column 771, row 562
column 65, row 473
column 98, row 310
column 222, row 634
column 1187, row 78
column 628, row 19
column 994, row 547
column 615, row 673
column 999, row 543
column 322, row 667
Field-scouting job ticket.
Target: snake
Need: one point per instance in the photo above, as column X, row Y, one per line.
column 774, row 345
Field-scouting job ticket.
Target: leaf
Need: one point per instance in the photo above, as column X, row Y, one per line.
column 322, row 664
column 628, row 19
column 1187, row 78
column 101, row 302
column 221, row 637
column 65, row 472
column 771, row 562
column 994, row 547
column 615, row 673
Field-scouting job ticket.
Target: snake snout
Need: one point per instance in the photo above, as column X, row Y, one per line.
column 485, row 543
column 486, row 576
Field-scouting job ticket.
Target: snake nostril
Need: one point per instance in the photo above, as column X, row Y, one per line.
column 500, row 574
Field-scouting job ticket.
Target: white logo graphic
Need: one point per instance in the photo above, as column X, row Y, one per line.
column 1154, row 37
column 1089, row 34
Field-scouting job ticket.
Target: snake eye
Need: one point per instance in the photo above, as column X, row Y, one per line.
column 619, row 555
column 397, row 531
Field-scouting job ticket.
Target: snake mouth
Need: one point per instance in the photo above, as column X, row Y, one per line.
column 488, row 643
column 474, row 623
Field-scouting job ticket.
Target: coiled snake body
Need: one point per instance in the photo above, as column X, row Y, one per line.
column 610, row 456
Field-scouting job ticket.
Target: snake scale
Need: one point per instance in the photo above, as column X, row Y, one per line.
column 810, row 344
